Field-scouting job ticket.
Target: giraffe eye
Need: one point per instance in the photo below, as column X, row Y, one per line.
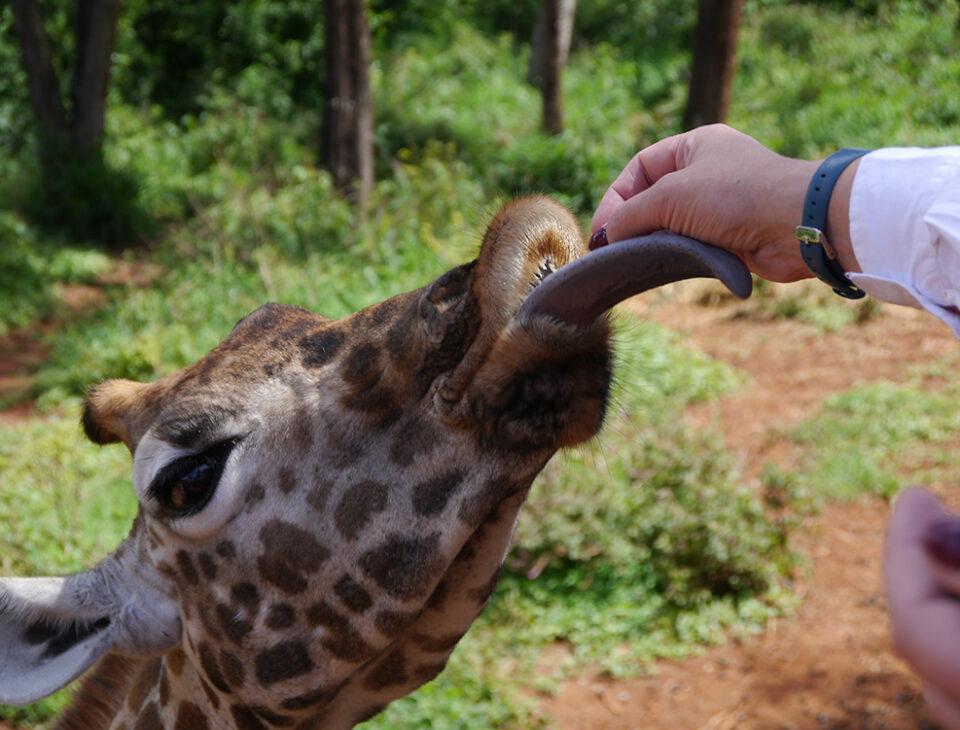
column 184, row 486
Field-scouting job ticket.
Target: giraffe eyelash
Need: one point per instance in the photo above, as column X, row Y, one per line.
column 185, row 486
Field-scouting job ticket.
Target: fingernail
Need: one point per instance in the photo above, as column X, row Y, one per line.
column 598, row 239
column 942, row 541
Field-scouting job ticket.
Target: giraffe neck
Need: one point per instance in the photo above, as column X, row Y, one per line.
column 165, row 692
column 102, row 694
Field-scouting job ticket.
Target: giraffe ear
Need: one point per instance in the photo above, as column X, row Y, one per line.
column 47, row 637
column 109, row 409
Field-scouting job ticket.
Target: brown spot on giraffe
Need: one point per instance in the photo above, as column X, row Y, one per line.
column 283, row 661
column 321, row 347
column 290, row 553
column 432, row 495
column 232, row 668
column 233, row 624
column 247, row 595
column 190, row 717
column 208, row 566
column 211, row 667
column 343, row 640
column 175, row 660
column 403, row 567
column 187, row 571
column 352, row 594
column 281, row 616
column 360, row 502
column 389, row 671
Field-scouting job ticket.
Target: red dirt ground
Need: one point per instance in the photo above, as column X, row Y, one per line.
column 830, row 665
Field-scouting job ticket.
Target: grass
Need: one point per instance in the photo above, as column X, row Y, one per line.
column 643, row 544
column 812, row 303
column 878, row 439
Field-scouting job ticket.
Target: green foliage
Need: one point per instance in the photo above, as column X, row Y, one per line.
column 647, row 528
column 867, row 440
column 474, row 691
column 470, row 93
column 32, row 267
column 810, row 81
column 298, row 244
column 78, row 497
column 86, row 199
column 811, row 302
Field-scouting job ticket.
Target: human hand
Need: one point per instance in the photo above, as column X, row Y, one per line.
column 725, row 188
column 922, row 573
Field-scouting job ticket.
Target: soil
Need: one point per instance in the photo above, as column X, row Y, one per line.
column 830, row 664
column 21, row 353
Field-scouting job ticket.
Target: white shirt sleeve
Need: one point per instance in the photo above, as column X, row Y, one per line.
column 905, row 228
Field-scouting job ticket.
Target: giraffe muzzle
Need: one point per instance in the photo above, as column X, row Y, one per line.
column 587, row 287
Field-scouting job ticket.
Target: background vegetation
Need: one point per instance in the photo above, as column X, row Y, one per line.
column 644, row 544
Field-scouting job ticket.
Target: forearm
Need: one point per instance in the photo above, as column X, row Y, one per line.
column 904, row 227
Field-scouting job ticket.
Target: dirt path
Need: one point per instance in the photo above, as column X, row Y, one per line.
column 830, row 665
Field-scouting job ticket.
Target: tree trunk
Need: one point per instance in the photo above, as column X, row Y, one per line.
column 96, row 32
column 62, row 137
column 714, row 62
column 551, row 48
column 48, row 108
column 346, row 144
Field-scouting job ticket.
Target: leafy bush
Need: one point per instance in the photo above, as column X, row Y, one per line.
column 479, row 103
column 31, row 268
column 874, row 80
column 791, row 27
column 647, row 528
column 870, row 439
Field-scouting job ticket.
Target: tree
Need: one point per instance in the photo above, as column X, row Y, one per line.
column 551, row 48
column 346, row 143
column 714, row 59
column 64, row 136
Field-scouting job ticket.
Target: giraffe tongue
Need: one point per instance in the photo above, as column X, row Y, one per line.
column 584, row 289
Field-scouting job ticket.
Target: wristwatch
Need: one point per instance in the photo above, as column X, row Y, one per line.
column 817, row 253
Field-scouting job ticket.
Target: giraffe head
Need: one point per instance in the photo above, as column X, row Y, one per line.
column 324, row 505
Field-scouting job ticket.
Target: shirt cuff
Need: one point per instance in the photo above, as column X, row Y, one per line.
column 905, row 229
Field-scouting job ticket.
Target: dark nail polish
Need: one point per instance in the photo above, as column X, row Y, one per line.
column 598, row 239
column 942, row 541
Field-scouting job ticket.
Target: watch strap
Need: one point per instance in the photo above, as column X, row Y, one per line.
column 811, row 231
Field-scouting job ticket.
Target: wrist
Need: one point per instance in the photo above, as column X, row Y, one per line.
column 785, row 193
column 838, row 219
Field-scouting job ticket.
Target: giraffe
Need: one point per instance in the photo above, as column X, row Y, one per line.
column 324, row 506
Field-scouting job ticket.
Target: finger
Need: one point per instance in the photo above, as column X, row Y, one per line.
column 645, row 212
column 646, row 167
column 906, row 568
column 926, row 621
column 942, row 543
column 945, row 709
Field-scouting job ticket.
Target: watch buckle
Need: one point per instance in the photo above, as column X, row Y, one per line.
column 808, row 234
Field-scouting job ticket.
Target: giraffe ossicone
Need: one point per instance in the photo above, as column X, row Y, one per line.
column 324, row 506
